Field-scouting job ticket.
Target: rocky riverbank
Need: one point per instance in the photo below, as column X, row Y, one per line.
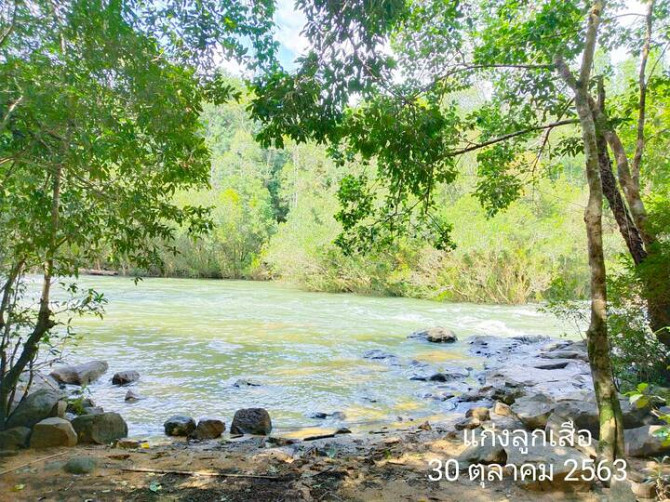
column 530, row 408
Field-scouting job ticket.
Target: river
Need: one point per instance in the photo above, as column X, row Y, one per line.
column 191, row 340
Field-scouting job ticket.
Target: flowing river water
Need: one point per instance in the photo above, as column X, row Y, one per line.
column 191, row 340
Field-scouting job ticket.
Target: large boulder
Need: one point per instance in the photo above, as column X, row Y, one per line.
column 52, row 432
column 533, row 411
column 179, row 425
column 584, row 414
column 483, row 454
column 125, row 377
column 82, row 374
column 208, row 428
column 14, row 438
column 436, row 335
column 643, row 442
column 251, row 421
column 563, row 461
column 39, row 405
column 100, row 428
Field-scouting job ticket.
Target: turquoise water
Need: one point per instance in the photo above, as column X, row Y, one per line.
column 192, row 339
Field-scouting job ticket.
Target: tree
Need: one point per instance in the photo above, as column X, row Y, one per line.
column 99, row 127
column 407, row 124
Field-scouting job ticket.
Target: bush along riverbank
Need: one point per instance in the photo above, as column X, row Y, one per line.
column 527, row 429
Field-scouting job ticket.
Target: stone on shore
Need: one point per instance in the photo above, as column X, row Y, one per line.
column 82, row 374
column 14, row 438
column 101, row 428
column 533, row 411
column 562, row 459
column 179, row 425
column 80, row 465
column 208, row 428
column 585, row 414
column 53, row 432
column 77, row 406
column 643, row 442
column 39, row 405
column 251, row 421
column 479, row 413
column 645, row 489
column 483, row 454
column 125, row 377
column 436, row 335
column 128, row 444
column 93, row 410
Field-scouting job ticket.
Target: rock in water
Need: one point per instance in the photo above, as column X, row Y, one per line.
column 39, row 405
column 131, row 396
column 436, row 335
column 82, row 374
column 14, row 438
column 336, row 415
column 208, row 428
column 101, row 428
column 251, row 421
column 378, row 354
column 245, row 383
column 125, row 377
column 179, row 425
column 80, row 465
column 52, row 432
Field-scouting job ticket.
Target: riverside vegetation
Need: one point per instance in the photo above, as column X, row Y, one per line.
column 476, row 151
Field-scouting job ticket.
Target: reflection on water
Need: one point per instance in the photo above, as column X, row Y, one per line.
column 191, row 340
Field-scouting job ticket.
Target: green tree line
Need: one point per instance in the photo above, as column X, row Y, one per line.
column 273, row 218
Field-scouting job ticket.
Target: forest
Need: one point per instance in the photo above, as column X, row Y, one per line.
column 398, row 227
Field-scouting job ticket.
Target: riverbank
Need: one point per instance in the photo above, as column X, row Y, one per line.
column 389, row 466
column 532, row 412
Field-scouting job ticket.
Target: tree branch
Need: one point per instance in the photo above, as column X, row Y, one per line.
column 511, row 135
column 639, row 145
column 10, row 28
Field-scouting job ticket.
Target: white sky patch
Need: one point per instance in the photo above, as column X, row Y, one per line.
column 290, row 22
column 233, row 68
column 632, row 7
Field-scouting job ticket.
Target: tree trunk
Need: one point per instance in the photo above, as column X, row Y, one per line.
column 611, row 424
column 627, row 227
column 610, row 444
column 45, row 321
column 656, row 291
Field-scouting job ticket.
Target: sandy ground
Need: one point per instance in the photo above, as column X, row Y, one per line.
column 385, row 466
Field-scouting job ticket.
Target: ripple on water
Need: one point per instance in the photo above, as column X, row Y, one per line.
column 191, row 339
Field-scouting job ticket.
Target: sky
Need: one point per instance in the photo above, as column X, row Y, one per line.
column 292, row 44
column 290, row 22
